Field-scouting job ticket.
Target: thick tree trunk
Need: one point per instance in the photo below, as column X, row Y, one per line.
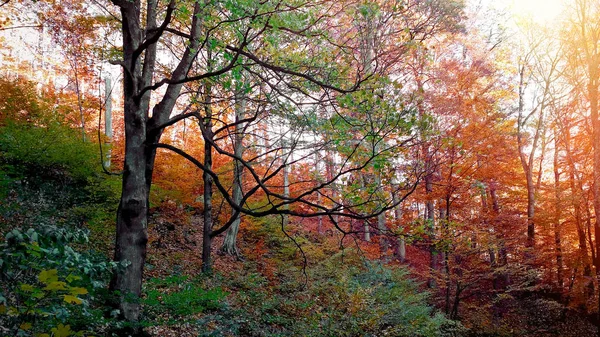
column 141, row 134
column 131, row 234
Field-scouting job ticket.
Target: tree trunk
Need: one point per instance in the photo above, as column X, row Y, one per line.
column 502, row 280
column 557, row 216
column 383, row 242
column 576, row 196
column 430, row 220
column 207, row 179
column 286, row 180
column 366, row 226
column 132, row 213
column 75, row 67
column 593, row 97
column 527, row 162
column 108, row 120
column 445, row 221
column 131, row 234
column 230, row 242
column 319, row 197
column 401, row 248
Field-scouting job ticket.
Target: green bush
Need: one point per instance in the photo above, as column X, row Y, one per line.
column 50, row 150
column 176, row 297
column 48, row 285
column 49, row 176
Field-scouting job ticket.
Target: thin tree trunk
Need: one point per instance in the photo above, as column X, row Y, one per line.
column 286, row 179
column 502, row 259
column 108, row 120
column 207, row 179
column 401, row 248
column 381, row 227
column 589, row 42
column 557, row 216
column 79, row 99
column 430, row 220
column 593, row 96
column 319, row 198
column 527, row 161
column 230, row 242
column 576, row 201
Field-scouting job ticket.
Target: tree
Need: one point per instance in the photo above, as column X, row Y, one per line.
column 586, row 34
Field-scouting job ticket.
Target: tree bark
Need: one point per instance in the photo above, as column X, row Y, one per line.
column 557, row 216
column 576, row 202
column 430, row 221
column 207, row 179
column 108, row 120
column 401, row 248
column 286, row 179
column 230, row 242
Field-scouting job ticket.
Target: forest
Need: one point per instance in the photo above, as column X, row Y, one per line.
column 269, row 168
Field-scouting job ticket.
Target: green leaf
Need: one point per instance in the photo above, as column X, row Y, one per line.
column 71, row 278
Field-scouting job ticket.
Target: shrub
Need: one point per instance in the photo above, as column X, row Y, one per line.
column 176, row 297
column 48, row 287
column 344, row 296
column 52, row 150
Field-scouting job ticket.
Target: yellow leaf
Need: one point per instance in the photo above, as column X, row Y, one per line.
column 78, row 291
column 25, row 326
column 42, row 335
column 12, row 311
column 2, row 309
column 72, row 299
column 55, row 285
column 27, row 287
column 48, row 276
column 62, row 331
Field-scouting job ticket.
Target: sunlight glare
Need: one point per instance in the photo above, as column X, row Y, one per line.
column 542, row 11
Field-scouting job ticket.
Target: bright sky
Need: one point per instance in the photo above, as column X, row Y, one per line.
column 542, row 11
